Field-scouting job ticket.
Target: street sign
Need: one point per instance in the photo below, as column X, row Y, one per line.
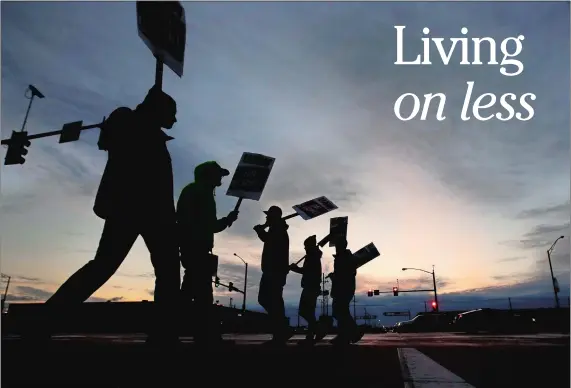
column 162, row 26
column 337, row 229
column 314, row 208
column 366, row 254
column 396, row 314
column 70, row 132
column 251, row 176
column 366, row 317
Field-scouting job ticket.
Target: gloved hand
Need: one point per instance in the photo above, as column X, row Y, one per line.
column 232, row 216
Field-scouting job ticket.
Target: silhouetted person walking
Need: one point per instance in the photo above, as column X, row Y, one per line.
column 275, row 267
column 135, row 197
column 311, row 287
column 198, row 222
column 342, row 291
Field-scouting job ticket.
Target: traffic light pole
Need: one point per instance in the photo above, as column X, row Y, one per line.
column 245, row 288
column 53, row 133
column 159, row 73
column 435, row 294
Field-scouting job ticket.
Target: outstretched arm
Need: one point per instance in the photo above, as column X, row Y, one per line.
column 295, row 268
column 221, row 224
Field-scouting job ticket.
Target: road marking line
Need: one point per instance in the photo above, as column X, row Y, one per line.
column 420, row 371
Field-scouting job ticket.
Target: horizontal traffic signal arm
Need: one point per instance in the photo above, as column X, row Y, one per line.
column 53, row 133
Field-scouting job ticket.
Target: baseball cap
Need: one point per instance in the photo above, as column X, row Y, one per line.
column 210, row 168
column 274, row 211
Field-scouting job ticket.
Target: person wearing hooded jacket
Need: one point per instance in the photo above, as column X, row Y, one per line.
column 342, row 291
column 135, row 197
column 198, row 222
column 275, row 268
column 311, row 288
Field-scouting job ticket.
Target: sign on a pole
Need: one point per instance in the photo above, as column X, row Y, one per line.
column 337, row 229
column 162, row 26
column 314, row 208
column 396, row 314
column 366, row 316
column 251, row 176
column 70, row 132
column 366, row 254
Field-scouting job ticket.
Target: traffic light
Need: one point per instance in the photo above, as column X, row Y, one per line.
column 216, row 281
column 377, row 292
column 434, row 305
column 17, row 148
column 370, row 293
column 395, row 291
column 230, row 286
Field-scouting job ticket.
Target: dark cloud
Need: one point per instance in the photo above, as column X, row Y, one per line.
column 544, row 211
column 541, row 236
column 511, row 259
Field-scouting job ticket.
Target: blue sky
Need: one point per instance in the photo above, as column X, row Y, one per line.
column 313, row 85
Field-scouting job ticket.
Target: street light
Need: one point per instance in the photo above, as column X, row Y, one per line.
column 437, row 307
column 553, row 279
column 245, row 283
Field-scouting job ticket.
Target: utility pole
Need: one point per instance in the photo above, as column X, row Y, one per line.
column 425, row 310
column 354, row 306
column 510, row 303
column 435, row 294
column 553, row 279
column 5, row 294
column 245, row 288
column 230, row 302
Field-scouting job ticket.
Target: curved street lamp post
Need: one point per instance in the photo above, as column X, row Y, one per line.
column 245, row 283
column 437, row 307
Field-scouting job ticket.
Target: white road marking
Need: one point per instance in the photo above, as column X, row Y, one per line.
column 420, row 371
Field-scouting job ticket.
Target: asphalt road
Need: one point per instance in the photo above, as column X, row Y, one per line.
column 381, row 360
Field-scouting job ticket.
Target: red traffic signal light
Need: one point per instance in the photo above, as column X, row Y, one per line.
column 230, row 286
column 370, row 293
column 395, row 291
column 434, row 305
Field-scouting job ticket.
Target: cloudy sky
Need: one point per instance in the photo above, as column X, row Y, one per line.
column 313, row 85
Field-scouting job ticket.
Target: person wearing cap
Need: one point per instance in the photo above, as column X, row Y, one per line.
column 342, row 292
column 311, row 287
column 275, row 267
column 198, row 222
column 135, row 197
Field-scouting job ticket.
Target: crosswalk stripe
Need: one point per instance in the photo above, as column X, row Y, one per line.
column 420, row 371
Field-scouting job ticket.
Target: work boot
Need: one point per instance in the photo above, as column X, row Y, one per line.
column 357, row 336
column 320, row 332
column 341, row 340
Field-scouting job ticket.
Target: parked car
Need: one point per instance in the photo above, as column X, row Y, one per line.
column 493, row 321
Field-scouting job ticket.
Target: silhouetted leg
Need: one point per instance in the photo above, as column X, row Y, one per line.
column 281, row 327
column 161, row 241
column 116, row 241
column 307, row 304
column 203, row 298
column 264, row 294
column 186, row 289
column 340, row 311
